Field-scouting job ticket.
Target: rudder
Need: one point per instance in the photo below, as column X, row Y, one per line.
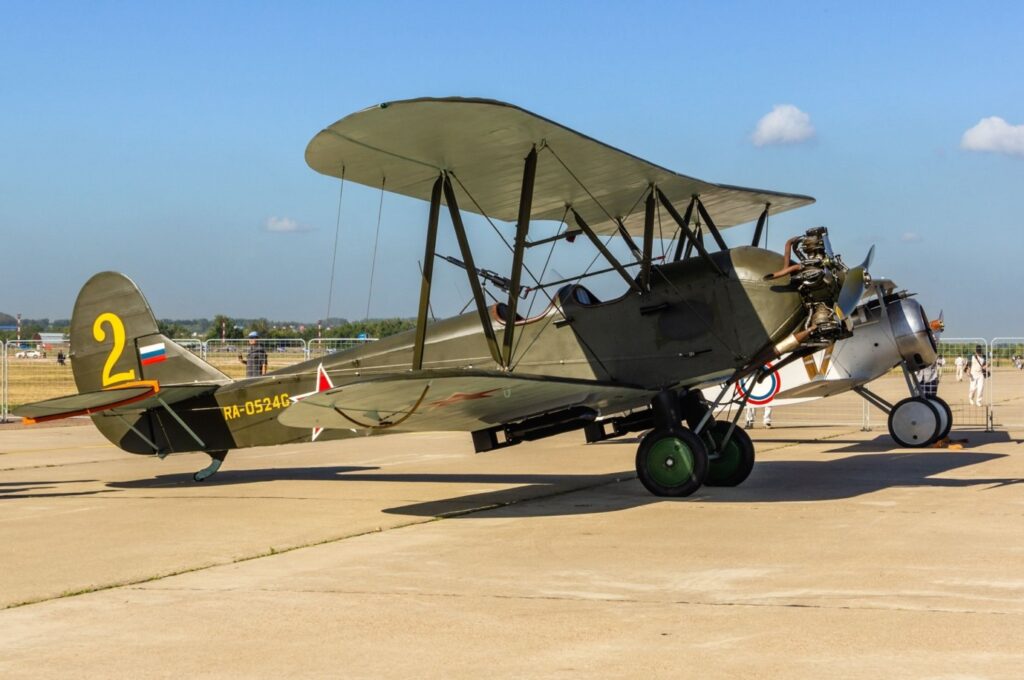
column 115, row 339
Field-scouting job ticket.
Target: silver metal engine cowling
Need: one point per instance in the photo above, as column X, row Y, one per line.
column 912, row 333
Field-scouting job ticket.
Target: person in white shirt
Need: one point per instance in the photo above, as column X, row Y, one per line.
column 977, row 371
column 960, row 365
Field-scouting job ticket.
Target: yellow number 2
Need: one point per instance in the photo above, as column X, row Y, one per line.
column 117, row 328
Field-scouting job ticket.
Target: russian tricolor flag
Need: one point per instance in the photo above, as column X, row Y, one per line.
column 153, row 354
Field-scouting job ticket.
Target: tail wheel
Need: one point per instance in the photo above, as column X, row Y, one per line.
column 732, row 463
column 945, row 417
column 671, row 462
column 914, row 422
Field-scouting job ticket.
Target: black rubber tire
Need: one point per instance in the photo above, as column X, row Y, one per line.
column 671, row 462
column 941, row 404
column 921, row 427
column 732, row 466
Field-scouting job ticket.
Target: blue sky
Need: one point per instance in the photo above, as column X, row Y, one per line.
column 161, row 141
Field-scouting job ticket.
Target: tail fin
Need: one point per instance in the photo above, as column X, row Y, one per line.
column 115, row 339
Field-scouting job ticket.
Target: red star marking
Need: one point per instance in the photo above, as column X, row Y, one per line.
column 461, row 396
column 323, row 383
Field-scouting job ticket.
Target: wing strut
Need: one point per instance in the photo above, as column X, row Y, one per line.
column 645, row 262
column 474, row 281
column 711, row 225
column 428, row 273
column 686, row 229
column 605, row 252
column 760, row 226
column 522, row 229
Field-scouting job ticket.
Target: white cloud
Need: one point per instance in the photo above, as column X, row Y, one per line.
column 996, row 135
column 785, row 124
column 910, row 237
column 284, row 225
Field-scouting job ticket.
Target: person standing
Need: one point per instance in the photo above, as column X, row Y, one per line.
column 960, row 364
column 751, row 412
column 256, row 361
column 977, row 371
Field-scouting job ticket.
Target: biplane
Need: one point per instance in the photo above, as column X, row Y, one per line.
column 702, row 315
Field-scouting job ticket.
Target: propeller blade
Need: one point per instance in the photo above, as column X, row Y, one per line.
column 866, row 264
column 857, row 281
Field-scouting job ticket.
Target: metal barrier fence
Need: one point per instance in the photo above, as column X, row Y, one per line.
column 228, row 356
column 35, row 370
column 954, row 385
column 30, row 370
column 321, row 347
column 1006, row 389
column 193, row 345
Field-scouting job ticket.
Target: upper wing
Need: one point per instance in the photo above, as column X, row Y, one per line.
column 451, row 400
column 483, row 143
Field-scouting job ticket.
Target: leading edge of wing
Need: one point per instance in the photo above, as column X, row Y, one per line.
column 404, row 145
column 419, row 401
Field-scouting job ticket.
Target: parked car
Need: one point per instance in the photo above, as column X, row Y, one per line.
column 28, row 354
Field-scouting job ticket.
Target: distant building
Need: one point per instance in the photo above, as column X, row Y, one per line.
column 49, row 341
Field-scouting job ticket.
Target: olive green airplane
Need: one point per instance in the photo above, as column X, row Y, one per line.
column 695, row 316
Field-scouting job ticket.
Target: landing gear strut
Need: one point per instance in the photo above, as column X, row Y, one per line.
column 673, row 460
column 216, row 458
column 733, row 458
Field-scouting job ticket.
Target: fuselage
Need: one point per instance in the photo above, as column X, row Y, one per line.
column 694, row 326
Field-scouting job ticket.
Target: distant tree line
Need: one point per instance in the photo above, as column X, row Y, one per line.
column 208, row 329
column 222, row 326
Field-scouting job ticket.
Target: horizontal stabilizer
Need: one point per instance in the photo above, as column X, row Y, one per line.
column 87, row 403
column 139, row 395
column 458, row 400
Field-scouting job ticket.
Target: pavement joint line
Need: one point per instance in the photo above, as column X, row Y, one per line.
column 337, row 539
column 275, row 551
column 563, row 598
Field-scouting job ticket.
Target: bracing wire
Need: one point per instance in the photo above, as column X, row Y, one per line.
column 334, row 254
column 376, row 240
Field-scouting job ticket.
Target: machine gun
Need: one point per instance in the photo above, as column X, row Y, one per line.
column 500, row 282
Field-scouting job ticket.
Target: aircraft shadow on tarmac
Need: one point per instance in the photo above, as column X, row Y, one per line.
column 884, row 443
column 772, row 481
column 15, row 490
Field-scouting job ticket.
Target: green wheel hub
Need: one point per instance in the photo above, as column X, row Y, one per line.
column 732, row 463
column 670, row 462
column 728, row 460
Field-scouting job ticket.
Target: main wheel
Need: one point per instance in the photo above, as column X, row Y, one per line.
column 914, row 422
column 945, row 417
column 671, row 462
column 733, row 463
